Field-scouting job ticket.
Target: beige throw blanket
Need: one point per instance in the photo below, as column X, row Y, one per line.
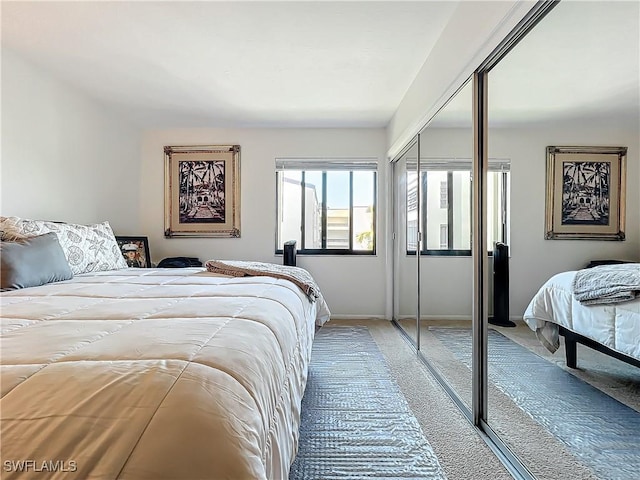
column 235, row 268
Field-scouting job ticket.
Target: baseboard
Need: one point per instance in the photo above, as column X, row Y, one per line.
column 339, row 316
column 467, row 318
column 440, row 317
column 446, row 317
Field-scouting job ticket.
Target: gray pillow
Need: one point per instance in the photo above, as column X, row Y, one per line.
column 32, row 261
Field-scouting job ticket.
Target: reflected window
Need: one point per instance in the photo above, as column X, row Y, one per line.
column 444, row 235
column 412, row 210
column 446, row 206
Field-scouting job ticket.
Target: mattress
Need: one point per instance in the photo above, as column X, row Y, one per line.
column 154, row 373
column 616, row 326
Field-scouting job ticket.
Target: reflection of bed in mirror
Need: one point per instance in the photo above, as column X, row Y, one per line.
column 598, row 307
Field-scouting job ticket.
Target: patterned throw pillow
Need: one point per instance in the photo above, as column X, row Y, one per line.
column 88, row 248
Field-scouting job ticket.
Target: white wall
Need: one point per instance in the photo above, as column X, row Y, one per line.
column 475, row 29
column 352, row 285
column 64, row 157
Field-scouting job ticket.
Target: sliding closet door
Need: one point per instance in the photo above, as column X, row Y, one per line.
column 572, row 81
column 446, row 270
column 405, row 219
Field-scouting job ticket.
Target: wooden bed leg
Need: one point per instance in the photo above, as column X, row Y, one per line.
column 570, row 348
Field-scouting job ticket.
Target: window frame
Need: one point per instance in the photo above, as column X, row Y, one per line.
column 500, row 166
column 444, row 229
column 340, row 165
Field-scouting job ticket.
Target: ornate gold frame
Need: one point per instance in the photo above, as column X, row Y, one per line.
column 224, row 221
column 568, row 193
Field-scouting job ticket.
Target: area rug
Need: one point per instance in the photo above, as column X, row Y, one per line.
column 599, row 430
column 355, row 421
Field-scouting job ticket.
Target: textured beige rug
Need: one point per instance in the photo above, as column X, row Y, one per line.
column 461, row 452
column 355, row 421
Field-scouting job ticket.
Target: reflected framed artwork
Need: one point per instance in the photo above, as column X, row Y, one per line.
column 585, row 193
column 202, row 191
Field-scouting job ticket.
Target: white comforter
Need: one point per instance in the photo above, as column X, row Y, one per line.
column 616, row 326
column 152, row 374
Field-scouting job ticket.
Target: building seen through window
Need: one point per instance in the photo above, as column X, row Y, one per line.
column 445, row 215
column 327, row 211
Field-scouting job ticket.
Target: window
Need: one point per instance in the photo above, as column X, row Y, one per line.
column 327, row 205
column 446, row 206
column 444, row 194
column 444, row 236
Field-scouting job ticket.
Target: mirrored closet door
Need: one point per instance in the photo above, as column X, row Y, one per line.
column 405, row 220
column 572, row 81
column 446, row 271
column 570, row 77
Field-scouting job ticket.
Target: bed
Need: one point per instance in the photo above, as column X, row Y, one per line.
column 612, row 327
column 155, row 373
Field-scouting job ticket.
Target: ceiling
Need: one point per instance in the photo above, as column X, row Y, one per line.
column 319, row 63
column 580, row 64
column 232, row 64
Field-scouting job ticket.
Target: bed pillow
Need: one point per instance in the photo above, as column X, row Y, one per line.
column 88, row 248
column 32, row 261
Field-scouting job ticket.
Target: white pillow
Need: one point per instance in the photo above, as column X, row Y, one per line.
column 88, row 248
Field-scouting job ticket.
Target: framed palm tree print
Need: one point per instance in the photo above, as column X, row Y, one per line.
column 585, row 193
column 202, row 191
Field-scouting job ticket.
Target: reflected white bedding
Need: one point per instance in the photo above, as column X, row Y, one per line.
column 616, row 326
column 155, row 373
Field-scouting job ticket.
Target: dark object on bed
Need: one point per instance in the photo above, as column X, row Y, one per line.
column 571, row 339
column 501, row 286
column 597, row 263
column 289, row 255
column 179, row 262
column 33, row 261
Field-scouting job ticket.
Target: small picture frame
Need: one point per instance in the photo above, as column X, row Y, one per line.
column 135, row 251
column 585, row 193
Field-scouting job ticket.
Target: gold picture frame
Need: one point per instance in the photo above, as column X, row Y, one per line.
column 202, row 191
column 585, row 193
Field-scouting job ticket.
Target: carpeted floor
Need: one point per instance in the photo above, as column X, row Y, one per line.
column 461, row 453
column 545, row 454
column 355, row 421
column 598, row 429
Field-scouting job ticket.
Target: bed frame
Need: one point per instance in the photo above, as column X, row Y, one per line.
column 571, row 340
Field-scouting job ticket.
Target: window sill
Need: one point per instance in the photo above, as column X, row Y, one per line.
column 444, row 253
column 335, row 253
